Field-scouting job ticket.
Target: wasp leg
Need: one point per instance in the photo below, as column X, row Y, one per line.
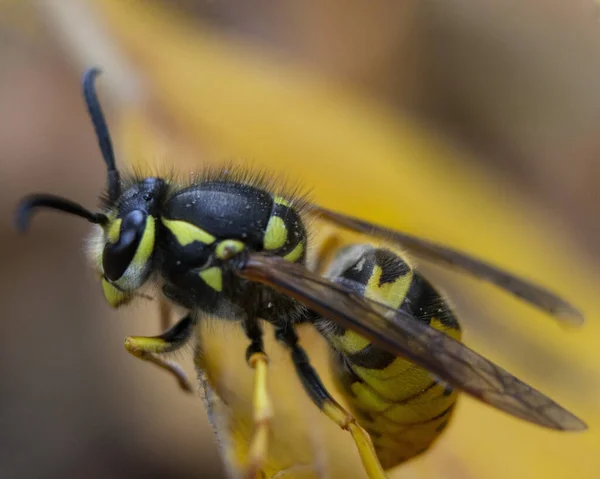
column 262, row 410
column 147, row 348
column 329, row 406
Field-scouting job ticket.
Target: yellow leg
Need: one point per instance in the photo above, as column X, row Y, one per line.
column 147, row 348
column 262, row 415
column 346, row 421
column 330, row 407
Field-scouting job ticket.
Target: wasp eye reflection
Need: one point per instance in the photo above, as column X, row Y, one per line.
column 117, row 257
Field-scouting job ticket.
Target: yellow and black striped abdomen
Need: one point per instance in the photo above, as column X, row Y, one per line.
column 402, row 406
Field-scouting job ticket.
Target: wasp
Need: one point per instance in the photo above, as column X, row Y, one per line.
column 228, row 247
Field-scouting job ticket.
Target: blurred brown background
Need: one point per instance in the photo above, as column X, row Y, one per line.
column 517, row 83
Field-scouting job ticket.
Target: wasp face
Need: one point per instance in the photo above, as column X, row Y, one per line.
column 124, row 251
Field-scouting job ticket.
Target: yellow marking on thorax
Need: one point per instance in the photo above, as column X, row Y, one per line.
column 228, row 248
column 391, row 294
column 280, row 200
column 276, row 233
column 213, row 277
column 186, row 233
column 295, row 254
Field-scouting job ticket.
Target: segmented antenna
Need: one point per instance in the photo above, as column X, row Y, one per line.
column 102, row 133
column 32, row 202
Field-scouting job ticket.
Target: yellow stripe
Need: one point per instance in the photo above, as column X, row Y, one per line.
column 391, row 294
column 366, row 398
column 276, row 234
column 295, row 254
column 452, row 332
column 213, row 277
column 146, row 246
column 397, row 367
column 137, row 269
column 280, row 200
column 429, row 406
column 228, row 248
column 395, row 387
column 114, row 230
column 186, row 233
column 350, row 342
column 113, row 296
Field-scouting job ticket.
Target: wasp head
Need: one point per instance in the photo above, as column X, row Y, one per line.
column 122, row 245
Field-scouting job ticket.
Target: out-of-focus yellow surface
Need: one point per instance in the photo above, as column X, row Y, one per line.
column 229, row 102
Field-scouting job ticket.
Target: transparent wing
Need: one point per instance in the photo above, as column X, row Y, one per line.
column 401, row 334
column 526, row 290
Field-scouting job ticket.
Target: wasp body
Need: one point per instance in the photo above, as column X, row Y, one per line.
column 400, row 404
column 182, row 235
column 225, row 246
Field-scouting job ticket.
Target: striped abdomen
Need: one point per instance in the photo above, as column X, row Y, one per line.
column 400, row 404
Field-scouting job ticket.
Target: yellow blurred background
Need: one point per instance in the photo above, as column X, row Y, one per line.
column 471, row 123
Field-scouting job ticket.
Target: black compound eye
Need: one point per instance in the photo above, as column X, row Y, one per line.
column 118, row 256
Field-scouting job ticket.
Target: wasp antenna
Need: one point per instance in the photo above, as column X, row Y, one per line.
column 102, row 133
column 30, row 203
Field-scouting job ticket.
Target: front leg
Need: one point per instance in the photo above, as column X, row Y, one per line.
column 147, row 348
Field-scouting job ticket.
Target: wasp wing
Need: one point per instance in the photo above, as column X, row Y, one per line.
column 399, row 333
column 526, row 290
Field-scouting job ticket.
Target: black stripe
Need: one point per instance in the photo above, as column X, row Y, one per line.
column 424, row 302
column 371, row 357
column 392, row 266
column 359, row 273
